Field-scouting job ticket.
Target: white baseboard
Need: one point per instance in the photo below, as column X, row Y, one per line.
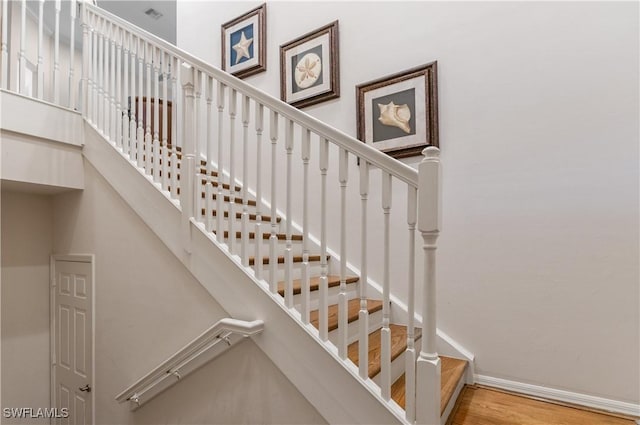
column 561, row 395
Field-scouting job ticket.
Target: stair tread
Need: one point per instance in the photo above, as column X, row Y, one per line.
column 227, row 198
column 265, row 236
column 353, row 309
column 452, row 370
column 314, row 283
column 239, row 215
column 398, row 346
column 215, row 183
column 296, row 259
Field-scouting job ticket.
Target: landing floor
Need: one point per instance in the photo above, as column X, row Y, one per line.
column 485, row 406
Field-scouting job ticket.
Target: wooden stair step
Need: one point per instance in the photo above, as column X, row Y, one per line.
column 452, row 370
column 296, row 259
column 224, row 185
column 353, row 309
column 239, row 215
column 398, row 346
column 265, row 236
column 227, row 198
column 314, row 283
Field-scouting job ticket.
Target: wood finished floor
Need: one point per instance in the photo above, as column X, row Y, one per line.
column 485, row 406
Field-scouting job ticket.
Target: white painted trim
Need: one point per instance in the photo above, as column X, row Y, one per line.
column 78, row 258
column 594, row 402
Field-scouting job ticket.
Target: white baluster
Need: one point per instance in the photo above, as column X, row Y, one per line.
column 220, row 196
column 100, row 65
column 140, row 99
column 86, row 72
column 94, row 71
column 273, row 239
column 118, row 92
column 305, row 275
column 385, row 333
column 188, row 156
column 4, row 77
column 323, row 305
column 259, row 128
column 23, row 47
column 363, row 315
column 133, row 114
column 197, row 142
column 156, row 117
column 112, row 84
column 428, row 368
column 72, row 55
column 410, row 353
column 232, row 170
column 175, row 97
column 40, row 70
column 56, row 55
column 244, row 251
column 209, row 185
column 165, row 120
column 107, row 78
column 288, row 258
column 125, row 100
column 148, row 137
column 343, row 309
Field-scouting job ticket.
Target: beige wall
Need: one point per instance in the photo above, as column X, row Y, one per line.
column 147, row 307
column 27, row 241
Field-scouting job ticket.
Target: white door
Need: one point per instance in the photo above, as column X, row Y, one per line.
column 73, row 338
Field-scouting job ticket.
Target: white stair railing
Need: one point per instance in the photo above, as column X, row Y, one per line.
column 157, row 105
column 209, row 148
column 210, row 344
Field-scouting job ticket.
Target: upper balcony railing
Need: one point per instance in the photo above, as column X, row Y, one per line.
column 181, row 121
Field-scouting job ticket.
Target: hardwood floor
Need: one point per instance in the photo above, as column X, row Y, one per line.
column 485, row 406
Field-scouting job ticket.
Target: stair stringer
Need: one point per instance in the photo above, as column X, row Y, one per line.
column 331, row 385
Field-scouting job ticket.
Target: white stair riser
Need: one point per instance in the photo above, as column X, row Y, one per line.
column 332, row 295
column 398, row 365
column 314, row 270
column 281, row 247
column 375, row 323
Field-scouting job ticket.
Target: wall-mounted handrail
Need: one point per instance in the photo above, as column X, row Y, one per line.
column 349, row 143
column 210, row 344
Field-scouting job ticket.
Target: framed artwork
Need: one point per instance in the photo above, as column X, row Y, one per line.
column 309, row 67
column 244, row 41
column 398, row 114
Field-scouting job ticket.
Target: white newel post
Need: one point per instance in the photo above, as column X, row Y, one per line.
column 187, row 168
column 429, row 224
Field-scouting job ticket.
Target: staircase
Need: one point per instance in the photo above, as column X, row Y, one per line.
column 273, row 195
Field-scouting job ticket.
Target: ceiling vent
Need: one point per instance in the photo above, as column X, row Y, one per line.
column 153, row 14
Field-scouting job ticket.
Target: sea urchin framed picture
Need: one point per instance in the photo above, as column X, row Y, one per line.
column 309, row 67
column 398, row 114
column 244, row 42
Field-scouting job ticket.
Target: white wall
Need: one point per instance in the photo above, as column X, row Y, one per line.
column 27, row 243
column 538, row 101
column 147, row 307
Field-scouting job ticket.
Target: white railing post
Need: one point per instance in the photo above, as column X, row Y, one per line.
column 23, row 46
column 363, row 314
column 85, row 63
column 56, row 55
column 188, row 155
column 343, row 314
column 4, row 77
column 429, row 224
column 40, row 69
column 410, row 353
column 72, row 55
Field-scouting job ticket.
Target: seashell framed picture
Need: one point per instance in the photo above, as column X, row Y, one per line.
column 244, row 41
column 398, row 114
column 309, row 67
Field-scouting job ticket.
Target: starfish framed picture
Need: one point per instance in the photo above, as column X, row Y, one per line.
column 398, row 114
column 310, row 68
column 244, row 41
